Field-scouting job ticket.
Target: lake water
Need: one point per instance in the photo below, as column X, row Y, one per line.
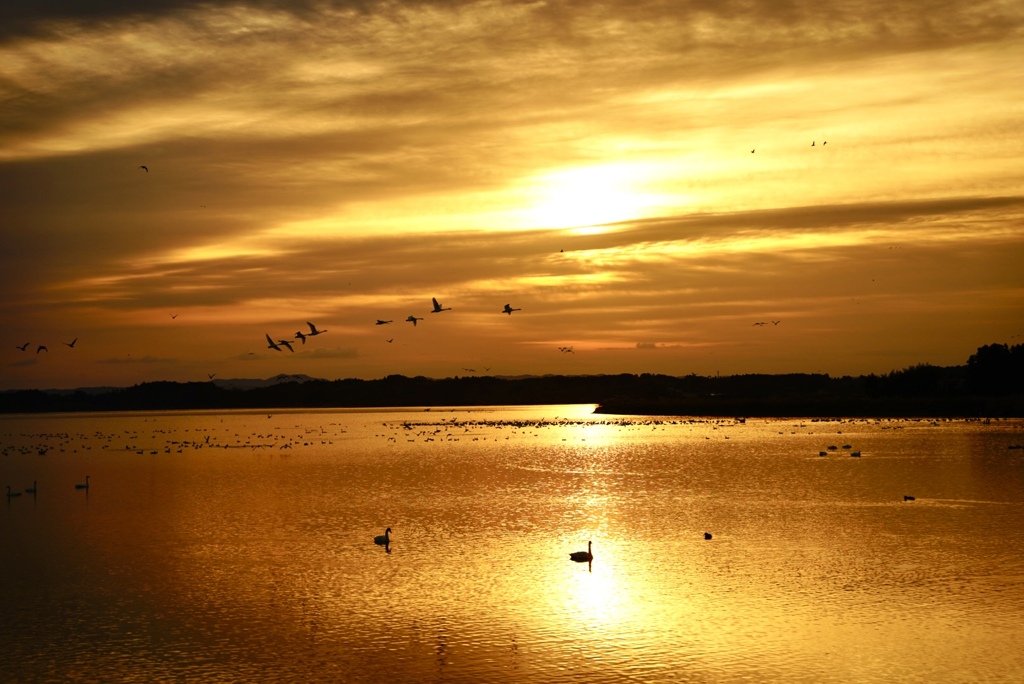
column 238, row 547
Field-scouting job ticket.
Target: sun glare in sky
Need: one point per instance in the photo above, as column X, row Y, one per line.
column 642, row 182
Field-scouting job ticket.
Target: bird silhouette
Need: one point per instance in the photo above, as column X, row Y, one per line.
column 380, row 322
column 776, row 322
column 566, row 350
column 83, row 485
column 759, row 323
column 71, row 343
column 173, row 316
column 286, row 343
column 300, row 336
column 10, row 494
column 707, row 535
column 508, row 309
column 211, row 375
column 144, row 168
column 41, row 348
column 391, row 340
column 437, row 306
column 383, row 539
column 582, row 556
column 313, row 331
column 412, row 319
column 23, row 347
column 273, row 345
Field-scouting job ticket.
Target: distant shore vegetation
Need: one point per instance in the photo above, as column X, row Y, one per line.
column 988, row 385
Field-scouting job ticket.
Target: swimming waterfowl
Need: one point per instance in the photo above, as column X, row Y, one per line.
column 10, row 494
column 582, row 556
column 84, row 485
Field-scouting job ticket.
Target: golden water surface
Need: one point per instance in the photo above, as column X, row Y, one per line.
column 238, row 547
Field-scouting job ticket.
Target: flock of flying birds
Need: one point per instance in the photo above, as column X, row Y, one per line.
column 314, row 331
column 43, row 347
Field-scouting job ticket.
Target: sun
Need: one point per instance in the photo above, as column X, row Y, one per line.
column 585, row 196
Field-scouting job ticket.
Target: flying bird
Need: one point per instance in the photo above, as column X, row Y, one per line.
column 41, row 348
column 23, row 347
column 759, row 323
column 437, row 306
column 391, row 340
column 173, row 316
column 380, row 322
column 210, row 375
column 776, row 322
column 144, row 168
column 508, row 309
column 71, row 343
column 566, row 350
column 273, row 345
column 313, row 331
column 300, row 336
column 286, row 343
column 412, row 319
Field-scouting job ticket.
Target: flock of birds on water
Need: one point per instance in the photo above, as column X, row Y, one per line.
column 428, row 431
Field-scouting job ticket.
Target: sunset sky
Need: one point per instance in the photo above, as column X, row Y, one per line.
column 637, row 177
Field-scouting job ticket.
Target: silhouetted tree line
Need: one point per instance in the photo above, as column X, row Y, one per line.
column 990, row 384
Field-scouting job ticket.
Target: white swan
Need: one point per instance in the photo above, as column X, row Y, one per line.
column 582, row 556
column 383, row 539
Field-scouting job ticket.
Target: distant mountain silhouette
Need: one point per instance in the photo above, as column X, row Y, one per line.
column 249, row 383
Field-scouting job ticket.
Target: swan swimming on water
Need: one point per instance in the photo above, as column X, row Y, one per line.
column 383, row 539
column 582, row 556
column 84, row 485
